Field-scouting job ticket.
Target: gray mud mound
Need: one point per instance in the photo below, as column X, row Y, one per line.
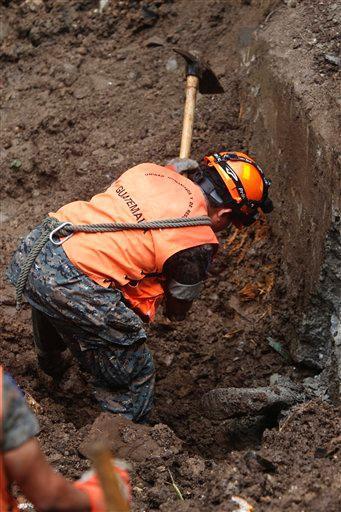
column 222, row 403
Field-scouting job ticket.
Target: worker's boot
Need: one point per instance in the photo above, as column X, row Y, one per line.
column 54, row 364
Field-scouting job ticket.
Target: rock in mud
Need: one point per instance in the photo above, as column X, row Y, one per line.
column 81, row 92
column 154, row 41
column 192, row 468
column 222, row 403
column 171, row 64
column 333, row 59
column 131, row 441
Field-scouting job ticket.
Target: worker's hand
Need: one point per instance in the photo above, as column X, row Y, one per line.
column 175, row 309
column 181, row 165
column 90, row 485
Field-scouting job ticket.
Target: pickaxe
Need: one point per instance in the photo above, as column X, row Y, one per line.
column 199, row 76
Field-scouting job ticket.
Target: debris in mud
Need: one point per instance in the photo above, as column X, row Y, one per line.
column 244, row 506
column 224, row 403
column 260, row 463
column 278, row 347
column 37, row 408
column 175, row 486
column 15, row 164
column 26, row 506
column 102, row 5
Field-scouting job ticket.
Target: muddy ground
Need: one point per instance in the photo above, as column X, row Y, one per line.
column 85, row 95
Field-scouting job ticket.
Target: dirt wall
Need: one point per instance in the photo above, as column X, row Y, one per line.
column 293, row 127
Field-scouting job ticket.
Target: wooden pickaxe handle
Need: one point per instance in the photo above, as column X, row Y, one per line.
column 192, row 84
column 102, row 460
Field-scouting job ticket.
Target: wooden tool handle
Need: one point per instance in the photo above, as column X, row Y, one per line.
column 187, row 127
column 102, row 461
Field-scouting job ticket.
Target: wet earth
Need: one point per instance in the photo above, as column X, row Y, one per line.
column 85, row 95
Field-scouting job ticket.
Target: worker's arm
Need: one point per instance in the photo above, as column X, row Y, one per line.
column 185, row 273
column 25, row 464
column 43, row 487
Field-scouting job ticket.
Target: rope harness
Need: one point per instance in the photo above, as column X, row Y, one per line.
column 53, row 230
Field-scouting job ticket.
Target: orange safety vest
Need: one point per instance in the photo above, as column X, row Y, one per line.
column 126, row 259
column 7, row 502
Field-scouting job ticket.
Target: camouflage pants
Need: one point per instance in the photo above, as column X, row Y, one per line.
column 105, row 335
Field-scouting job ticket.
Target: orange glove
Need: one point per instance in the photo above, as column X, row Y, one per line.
column 89, row 484
column 182, row 165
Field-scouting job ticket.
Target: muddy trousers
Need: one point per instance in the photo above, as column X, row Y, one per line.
column 94, row 322
column 124, row 376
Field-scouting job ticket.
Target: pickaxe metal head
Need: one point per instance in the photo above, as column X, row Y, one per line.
column 208, row 82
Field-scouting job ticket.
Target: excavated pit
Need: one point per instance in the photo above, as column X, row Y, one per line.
column 86, row 95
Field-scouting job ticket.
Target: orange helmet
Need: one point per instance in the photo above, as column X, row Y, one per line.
column 237, row 183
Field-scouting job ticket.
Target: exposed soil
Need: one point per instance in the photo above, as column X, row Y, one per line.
column 85, row 96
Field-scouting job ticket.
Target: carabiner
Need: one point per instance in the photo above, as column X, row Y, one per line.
column 58, row 228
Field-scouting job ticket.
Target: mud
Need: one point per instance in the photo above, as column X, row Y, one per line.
column 84, row 96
